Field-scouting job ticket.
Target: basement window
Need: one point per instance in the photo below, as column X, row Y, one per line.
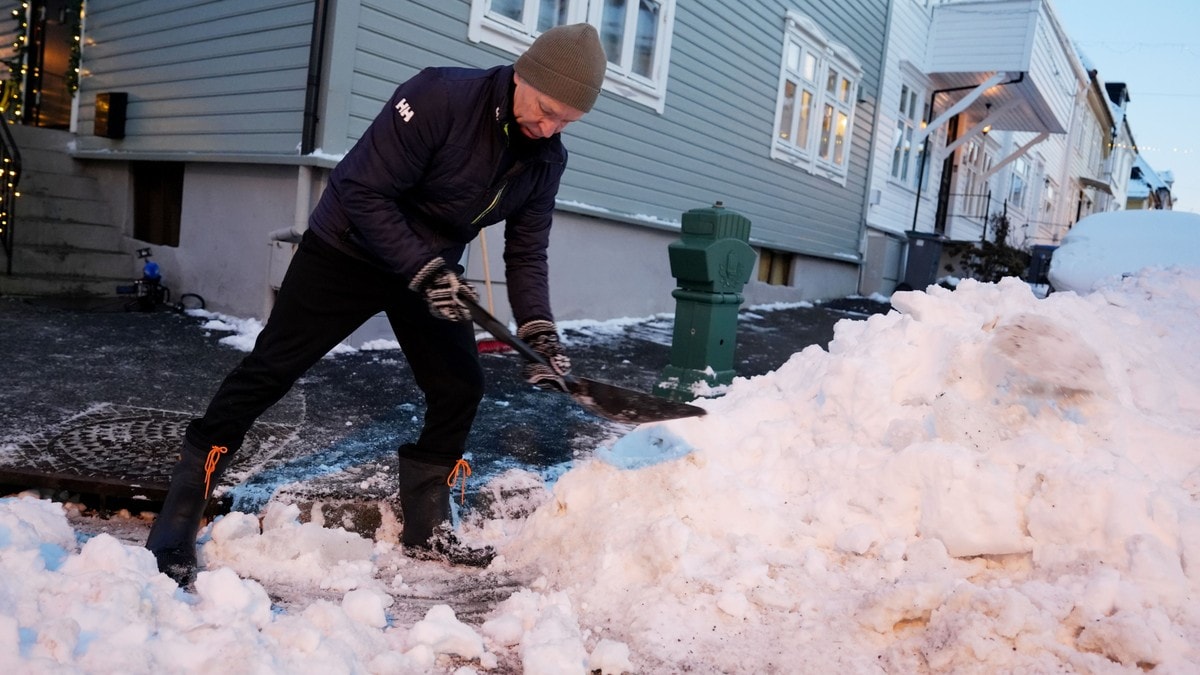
column 157, row 201
column 775, row 267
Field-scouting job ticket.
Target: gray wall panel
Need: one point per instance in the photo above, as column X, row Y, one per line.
column 217, row 77
column 713, row 140
column 232, row 75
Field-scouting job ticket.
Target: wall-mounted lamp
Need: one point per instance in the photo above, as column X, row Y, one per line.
column 987, row 128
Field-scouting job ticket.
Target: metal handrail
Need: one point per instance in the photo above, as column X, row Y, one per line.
column 10, row 178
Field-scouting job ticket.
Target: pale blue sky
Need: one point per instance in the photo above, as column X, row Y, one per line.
column 1154, row 47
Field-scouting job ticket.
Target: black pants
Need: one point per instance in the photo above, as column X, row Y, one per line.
column 324, row 297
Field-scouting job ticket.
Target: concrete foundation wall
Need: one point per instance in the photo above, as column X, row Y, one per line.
column 599, row 269
column 224, row 254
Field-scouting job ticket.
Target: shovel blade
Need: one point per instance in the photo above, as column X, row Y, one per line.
column 627, row 405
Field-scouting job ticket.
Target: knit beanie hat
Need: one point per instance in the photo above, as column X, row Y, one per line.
column 566, row 63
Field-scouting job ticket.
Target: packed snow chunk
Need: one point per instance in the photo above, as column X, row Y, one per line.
column 858, row 539
column 113, row 561
column 609, row 657
column 546, row 630
column 554, row 646
column 734, row 604
column 907, row 601
column 644, row 446
column 287, row 551
column 442, row 633
column 512, row 617
column 1132, row 639
column 367, row 607
column 968, row 503
column 227, row 599
column 233, row 526
column 1037, row 355
column 28, row 523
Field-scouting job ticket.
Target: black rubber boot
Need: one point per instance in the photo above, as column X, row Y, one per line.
column 172, row 538
column 425, row 505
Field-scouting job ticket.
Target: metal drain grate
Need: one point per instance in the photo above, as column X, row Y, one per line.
column 118, row 451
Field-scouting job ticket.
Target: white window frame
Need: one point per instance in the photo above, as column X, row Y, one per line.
column 1018, row 189
column 489, row 27
column 911, row 111
column 975, row 162
column 816, row 57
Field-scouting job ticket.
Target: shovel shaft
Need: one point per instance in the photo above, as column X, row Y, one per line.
column 606, row 400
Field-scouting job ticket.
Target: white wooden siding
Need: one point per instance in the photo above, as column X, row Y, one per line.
column 983, row 36
column 894, row 209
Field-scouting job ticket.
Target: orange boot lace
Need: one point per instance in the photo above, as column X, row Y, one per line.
column 460, row 466
column 210, row 465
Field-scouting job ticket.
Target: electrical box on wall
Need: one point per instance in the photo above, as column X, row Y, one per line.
column 110, row 114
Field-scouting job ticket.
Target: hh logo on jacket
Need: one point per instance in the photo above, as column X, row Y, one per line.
column 405, row 111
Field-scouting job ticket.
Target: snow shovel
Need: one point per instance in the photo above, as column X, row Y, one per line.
column 599, row 398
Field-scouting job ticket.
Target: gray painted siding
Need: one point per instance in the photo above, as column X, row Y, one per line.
column 395, row 40
column 713, row 140
column 218, row 77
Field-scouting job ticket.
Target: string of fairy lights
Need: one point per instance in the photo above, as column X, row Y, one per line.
column 11, row 98
column 12, row 91
column 1150, row 148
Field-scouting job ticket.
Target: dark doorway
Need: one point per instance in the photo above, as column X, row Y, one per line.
column 47, row 92
column 157, row 201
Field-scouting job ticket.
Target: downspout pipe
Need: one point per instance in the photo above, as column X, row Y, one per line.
column 292, row 235
column 864, row 224
column 308, row 138
column 925, row 150
column 312, row 90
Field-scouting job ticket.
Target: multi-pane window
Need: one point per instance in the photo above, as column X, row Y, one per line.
column 818, row 92
column 906, row 159
column 1049, row 195
column 636, row 35
column 629, row 32
column 1020, row 183
column 975, row 162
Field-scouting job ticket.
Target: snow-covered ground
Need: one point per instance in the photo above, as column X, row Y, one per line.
column 980, row 481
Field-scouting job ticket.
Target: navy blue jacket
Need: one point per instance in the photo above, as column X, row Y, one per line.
column 442, row 160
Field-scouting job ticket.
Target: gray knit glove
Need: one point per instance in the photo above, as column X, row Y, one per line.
column 542, row 336
column 442, row 289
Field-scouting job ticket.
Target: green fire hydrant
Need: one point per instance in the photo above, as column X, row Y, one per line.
column 712, row 261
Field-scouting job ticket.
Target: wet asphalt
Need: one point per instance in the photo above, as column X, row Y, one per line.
column 95, row 399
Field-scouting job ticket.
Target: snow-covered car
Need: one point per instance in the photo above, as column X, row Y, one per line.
column 1118, row 243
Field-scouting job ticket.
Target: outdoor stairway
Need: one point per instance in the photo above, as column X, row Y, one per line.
column 64, row 240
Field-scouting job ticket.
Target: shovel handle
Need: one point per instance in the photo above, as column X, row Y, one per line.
column 498, row 330
column 602, row 399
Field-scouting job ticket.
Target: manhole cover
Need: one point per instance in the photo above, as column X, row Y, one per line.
column 115, row 446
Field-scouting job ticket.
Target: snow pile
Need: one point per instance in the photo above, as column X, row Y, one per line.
column 983, row 477
column 103, row 608
column 982, row 481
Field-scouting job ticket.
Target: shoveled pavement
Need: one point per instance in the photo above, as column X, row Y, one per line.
column 96, row 398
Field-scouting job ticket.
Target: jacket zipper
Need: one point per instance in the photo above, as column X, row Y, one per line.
column 492, row 205
column 503, row 182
